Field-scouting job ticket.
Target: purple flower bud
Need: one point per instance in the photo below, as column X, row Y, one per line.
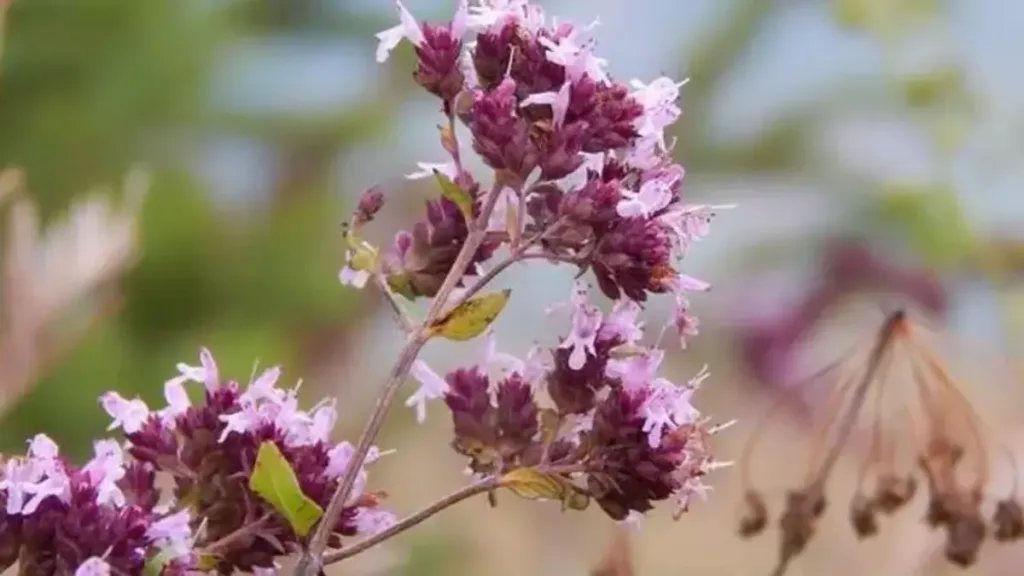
column 516, row 414
column 473, row 415
column 428, row 253
column 611, row 123
column 628, row 474
column 574, row 391
column 438, row 69
column 594, row 204
column 500, row 136
column 370, row 203
column 634, row 258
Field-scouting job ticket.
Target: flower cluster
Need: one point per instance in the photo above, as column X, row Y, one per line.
column 582, row 174
column 591, row 411
column 582, row 170
column 177, row 491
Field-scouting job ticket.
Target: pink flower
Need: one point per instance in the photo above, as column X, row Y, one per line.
column 653, row 196
column 129, row 415
column 432, row 387
column 622, row 322
column 660, row 109
column 173, row 533
column 636, row 371
column 406, row 29
column 354, row 277
column 427, row 169
column 690, row 223
column 372, row 521
column 491, row 14
column 177, row 401
column 577, row 58
column 586, row 320
column 105, row 470
column 263, row 387
column 559, row 102
column 245, row 420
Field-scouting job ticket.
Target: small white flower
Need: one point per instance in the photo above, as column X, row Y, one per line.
column 427, row 169
column 432, row 387
column 406, row 29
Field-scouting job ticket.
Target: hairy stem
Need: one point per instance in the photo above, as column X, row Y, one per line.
column 311, row 564
column 413, row 519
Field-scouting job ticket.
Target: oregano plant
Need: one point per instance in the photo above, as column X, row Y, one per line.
column 579, row 175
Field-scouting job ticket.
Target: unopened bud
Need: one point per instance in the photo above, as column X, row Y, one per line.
column 370, row 203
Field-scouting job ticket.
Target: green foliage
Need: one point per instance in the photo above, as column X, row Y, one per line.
column 86, row 84
column 274, row 480
column 89, row 89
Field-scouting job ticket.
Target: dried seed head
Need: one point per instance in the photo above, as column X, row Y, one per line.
column 803, row 507
column 862, row 516
column 893, row 492
column 939, row 511
column 1008, row 520
column 755, row 516
column 964, row 538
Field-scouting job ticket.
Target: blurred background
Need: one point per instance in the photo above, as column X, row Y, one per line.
column 875, row 148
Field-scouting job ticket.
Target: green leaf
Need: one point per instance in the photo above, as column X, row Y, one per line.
column 456, row 194
column 471, row 318
column 532, row 484
column 274, row 480
column 400, row 284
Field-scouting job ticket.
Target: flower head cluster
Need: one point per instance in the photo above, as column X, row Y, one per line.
column 110, row 516
column 591, row 411
column 582, row 174
column 582, row 170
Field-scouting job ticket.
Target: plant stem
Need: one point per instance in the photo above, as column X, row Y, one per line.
column 400, row 315
column 311, row 562
column 245, row 530
column 413, row 520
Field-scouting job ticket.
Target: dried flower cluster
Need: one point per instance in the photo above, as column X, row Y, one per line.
column 924, row 429
column 112, row 516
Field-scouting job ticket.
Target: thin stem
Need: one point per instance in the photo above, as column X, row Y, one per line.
column 245, row 530
column 412, row 520
column 894, row 326
column 311, row 564
column 504, row 265
column 396, row 307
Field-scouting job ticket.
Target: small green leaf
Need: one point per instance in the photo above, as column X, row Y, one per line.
column 471, row 318
column 274, row 480
column 456, row 194
column 400, row 284
column 533, row 485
